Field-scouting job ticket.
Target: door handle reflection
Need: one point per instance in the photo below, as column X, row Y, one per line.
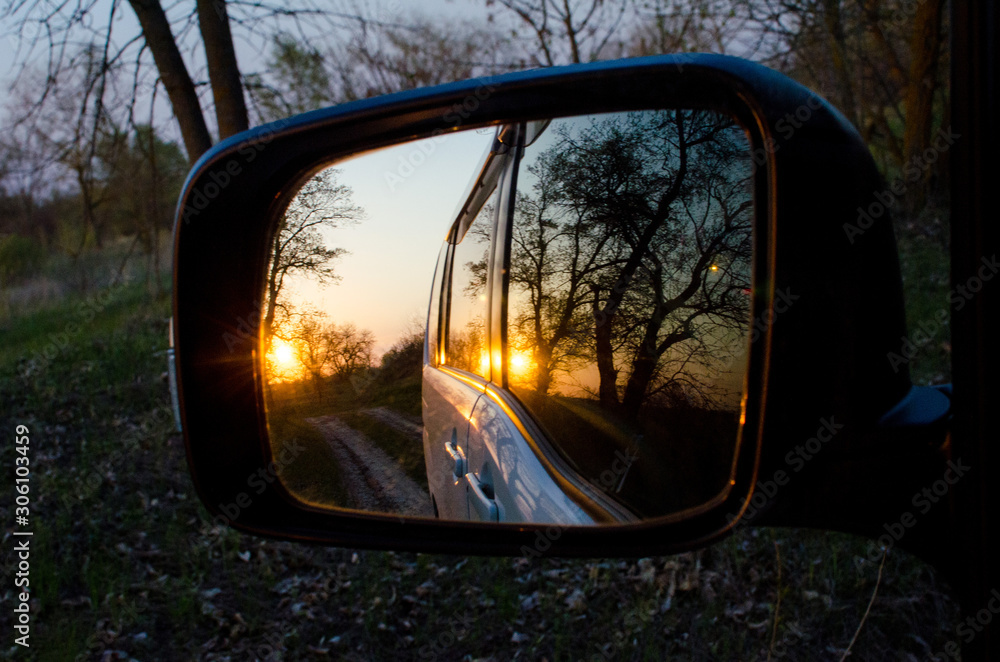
column 456, row 456
column 482, row 503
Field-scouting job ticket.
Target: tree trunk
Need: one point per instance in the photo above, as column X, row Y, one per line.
column 543, row 371
column 833, row 22
column 919, row 102
column 175, row 77
column 223, row 71
column 644, row 367
column 644, row 363
column 608, row 389
column 635, row 389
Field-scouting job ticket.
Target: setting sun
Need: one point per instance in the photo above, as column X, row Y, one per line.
column 282, row 360
column 520, row 365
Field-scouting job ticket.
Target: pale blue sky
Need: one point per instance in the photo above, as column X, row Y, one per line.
column 386, row 277
column 411, row 194
column 252, row 51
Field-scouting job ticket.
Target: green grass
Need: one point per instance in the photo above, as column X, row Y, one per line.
column 924, row 264
column 402, row 395
column 128, row 560
column 313, row 475
column 406, row 450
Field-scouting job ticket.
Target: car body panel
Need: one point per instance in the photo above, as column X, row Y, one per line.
column 501, row 457
column 448, row 404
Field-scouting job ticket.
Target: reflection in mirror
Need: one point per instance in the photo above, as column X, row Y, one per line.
column 612, row 391
column 629, row 300
column 343, row 321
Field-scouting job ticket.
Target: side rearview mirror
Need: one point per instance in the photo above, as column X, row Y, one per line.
column 607, row 309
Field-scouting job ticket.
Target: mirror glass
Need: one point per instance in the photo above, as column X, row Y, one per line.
column 543, row 322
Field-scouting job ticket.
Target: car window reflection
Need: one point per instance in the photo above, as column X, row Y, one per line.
column 629, row 299
column 466, row 344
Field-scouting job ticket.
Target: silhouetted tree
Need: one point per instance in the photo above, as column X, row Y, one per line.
column 642, row 220
column 299, row 246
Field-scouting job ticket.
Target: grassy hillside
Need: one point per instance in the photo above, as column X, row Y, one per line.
column 126, row 562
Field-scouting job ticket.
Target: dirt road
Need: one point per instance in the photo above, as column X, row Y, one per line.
column 408, row 425
column 374, row 481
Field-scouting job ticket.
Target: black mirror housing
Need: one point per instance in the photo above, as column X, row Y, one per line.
column 827, row 303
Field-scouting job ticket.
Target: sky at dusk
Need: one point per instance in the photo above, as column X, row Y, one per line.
column 385, row 279
column 252, row 50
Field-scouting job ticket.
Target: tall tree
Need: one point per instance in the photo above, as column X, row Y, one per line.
column 300, row 247
column 880, row 61
column 557, row 253
column 146, row 177
column 685, row 26
column 174, row 75
column 56, row 28
column 567, row 31
column 224, row 72
column 297, row 80
column 644, row 219
column 301, row 76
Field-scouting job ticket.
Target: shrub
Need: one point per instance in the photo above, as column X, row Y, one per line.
column 20, row 258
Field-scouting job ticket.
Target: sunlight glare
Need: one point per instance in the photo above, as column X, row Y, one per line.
column 283, row 360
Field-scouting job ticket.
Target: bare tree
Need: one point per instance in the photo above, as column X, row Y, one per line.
column 642, row 220
column 145, row 179
column 350, row 348
column 424, row 52
column 322, row 350
column 377, row 60
column 174, row 75
column 297, row 80
column 165, row 37
column 69, row 148
column 568, row 31
column 300, row 248
column 881, row 62
column 685, row 26
column 557, row 252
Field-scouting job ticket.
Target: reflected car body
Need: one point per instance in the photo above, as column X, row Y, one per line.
column 480, row 466
column 518, row 422
column 481, row 453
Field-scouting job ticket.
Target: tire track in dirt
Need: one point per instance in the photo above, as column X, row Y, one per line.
column 407, row 425
column 373, row 480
